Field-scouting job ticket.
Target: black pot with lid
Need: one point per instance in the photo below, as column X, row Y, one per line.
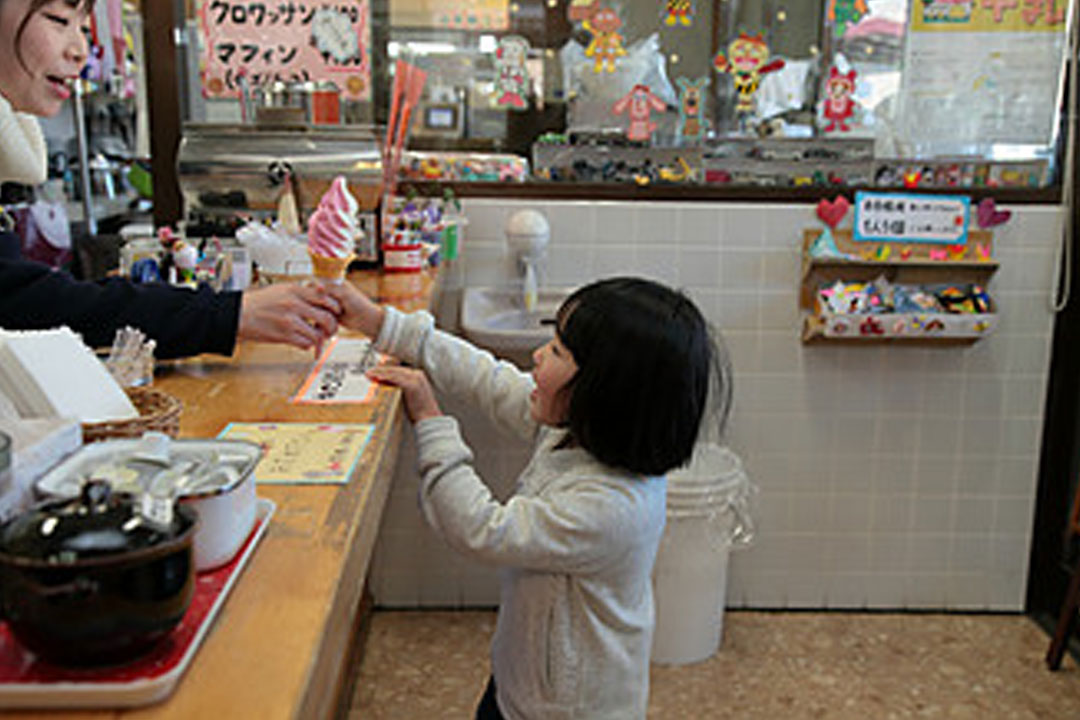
column 96, row 579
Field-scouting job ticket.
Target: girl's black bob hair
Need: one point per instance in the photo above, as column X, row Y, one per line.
column 648, row 367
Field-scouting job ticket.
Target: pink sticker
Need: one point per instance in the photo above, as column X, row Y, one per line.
column 639, row 104
column 988, row 215
column 839, row 105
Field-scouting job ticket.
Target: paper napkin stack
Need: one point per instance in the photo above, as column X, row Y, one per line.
column 52, row 374
column 36, row 445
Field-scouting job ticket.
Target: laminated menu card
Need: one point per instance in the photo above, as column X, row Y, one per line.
column 297, row 453
column 340, row 374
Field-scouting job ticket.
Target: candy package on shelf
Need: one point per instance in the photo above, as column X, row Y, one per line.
column 880, row 309
column 857, row 298
column 968, row 299
column 442, row 166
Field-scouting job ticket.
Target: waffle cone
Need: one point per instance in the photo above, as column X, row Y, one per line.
column 331, row 269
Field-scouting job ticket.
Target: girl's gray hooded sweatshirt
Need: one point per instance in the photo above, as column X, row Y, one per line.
column 575, row 543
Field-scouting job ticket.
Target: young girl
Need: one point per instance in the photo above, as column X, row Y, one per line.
column 614, row 401
column 43, row 47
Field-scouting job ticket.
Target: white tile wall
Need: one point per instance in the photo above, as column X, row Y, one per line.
column 889, row 477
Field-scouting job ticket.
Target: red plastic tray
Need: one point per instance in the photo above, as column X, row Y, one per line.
column 27, row 682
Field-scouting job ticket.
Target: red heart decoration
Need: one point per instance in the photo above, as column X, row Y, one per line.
column 831, row 213
column 989, row 216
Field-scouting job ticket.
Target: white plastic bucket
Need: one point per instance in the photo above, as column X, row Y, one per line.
column 706, row 513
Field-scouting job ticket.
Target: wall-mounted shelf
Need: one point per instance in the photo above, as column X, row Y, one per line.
column 899, row 263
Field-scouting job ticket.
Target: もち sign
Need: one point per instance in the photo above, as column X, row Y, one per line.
column 911, row 218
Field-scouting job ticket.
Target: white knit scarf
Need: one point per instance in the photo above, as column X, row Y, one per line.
column 22, row 147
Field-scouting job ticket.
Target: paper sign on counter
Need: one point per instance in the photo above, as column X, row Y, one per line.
column 304, row 453
column 340, row 375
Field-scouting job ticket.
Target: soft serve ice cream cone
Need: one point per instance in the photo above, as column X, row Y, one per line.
column 333, row 231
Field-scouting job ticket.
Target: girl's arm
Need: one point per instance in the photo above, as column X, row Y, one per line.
column 453, row 365
column 458, row 368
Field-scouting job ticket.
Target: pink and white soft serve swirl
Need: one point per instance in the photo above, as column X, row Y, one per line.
column 333, row 227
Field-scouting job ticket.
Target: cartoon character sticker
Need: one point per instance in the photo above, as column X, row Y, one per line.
column 844, row 14
column 693, row 125
column 511, row 75
column 747, row 62
column 678, row 12
column 606, row 44
column 579, row 10
column 639, row 104
column 839, row 106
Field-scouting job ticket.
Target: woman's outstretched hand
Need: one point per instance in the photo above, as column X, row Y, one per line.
column 300, row 315
column 420, row 402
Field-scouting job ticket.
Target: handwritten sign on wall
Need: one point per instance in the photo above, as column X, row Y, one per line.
column 287, row 41
column 911, row 218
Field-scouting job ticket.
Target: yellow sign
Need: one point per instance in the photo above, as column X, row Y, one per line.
column 988, row 15
column 304, row 453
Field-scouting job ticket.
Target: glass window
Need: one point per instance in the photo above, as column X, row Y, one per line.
column 713, row 92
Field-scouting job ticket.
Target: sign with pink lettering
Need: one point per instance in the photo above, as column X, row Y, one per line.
column 283, row 40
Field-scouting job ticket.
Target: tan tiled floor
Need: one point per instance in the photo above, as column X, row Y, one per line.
column 772, row 666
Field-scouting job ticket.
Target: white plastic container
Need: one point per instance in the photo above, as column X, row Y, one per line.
column 223, row 494
column 706, row 514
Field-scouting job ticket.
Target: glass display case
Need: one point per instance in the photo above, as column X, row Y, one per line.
column 916, row 93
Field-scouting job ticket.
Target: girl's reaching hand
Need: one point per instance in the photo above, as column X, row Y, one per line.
column 358, row 311
column 420, row 402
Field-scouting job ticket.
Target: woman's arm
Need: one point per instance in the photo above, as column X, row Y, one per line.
column 181, row 321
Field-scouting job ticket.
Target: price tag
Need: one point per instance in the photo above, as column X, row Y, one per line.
column 902, row 217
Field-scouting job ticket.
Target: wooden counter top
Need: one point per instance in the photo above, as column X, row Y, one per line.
column 279, row 646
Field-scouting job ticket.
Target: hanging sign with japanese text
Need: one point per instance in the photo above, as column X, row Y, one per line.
column 987, row 69
column 287, row 41
column 911, row 218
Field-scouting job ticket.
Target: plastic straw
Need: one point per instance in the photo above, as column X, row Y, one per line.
column 414, row 87
column 396, row 94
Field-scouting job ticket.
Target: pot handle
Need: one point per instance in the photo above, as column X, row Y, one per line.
column 81, row 586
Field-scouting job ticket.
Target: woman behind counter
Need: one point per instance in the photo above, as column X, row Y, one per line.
column 43, row 47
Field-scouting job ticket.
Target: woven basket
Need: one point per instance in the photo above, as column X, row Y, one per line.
column 158, row 411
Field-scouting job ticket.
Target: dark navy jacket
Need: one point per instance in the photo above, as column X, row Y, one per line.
column 183, row 322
